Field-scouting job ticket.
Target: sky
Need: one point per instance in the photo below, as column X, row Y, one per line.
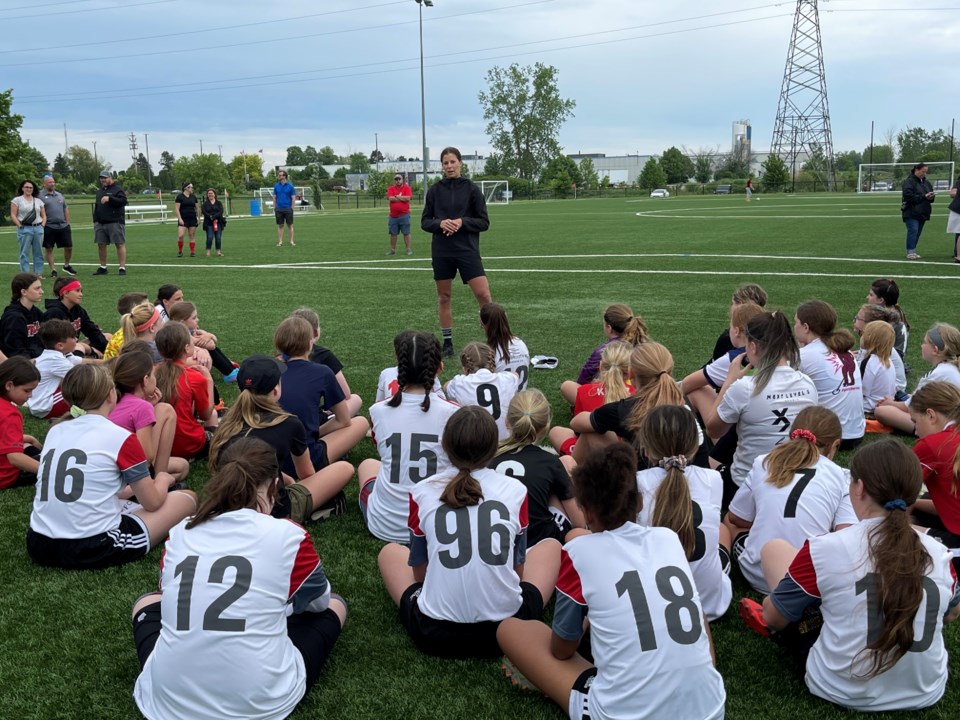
column 645, row 74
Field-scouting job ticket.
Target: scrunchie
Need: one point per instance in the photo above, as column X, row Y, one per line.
column 805, row 434
column 897, row 504
column 76, row 411
column 677, row 461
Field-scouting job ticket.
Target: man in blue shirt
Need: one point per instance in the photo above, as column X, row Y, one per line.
column 284, row 195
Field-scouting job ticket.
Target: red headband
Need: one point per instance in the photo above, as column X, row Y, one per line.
column 72, row 285
column 149, row 323
column 805, row 434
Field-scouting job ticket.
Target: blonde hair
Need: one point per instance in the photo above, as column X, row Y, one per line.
column 250, row 411
column 949, row 342
column 140, row 314
column 87, row 386
column 943, row 398
column 476, row 356
column 528, row 418
column 651, row 367
column 878, row 339
column 800, row 452
column 743, row 313
column 614, row 369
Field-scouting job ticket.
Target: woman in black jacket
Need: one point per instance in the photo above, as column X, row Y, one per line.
column 455, row 213
column 20, row 323
column 916, row 199
column 213, row 220
column 953, row 220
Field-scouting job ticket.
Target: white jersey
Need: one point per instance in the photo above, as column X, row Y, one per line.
column 900, row 370
column 814, row 503
column 942, row 372
column 716, row 370
column 763, row 421
column 646, row 625
column 491, row 391
column 408, row 441
column 85, row 463
column 518, row 361
column 471, row 552
column 53, row 366
column 228, row 586
column 837, row 569
column 387, row 385
column 878, row 381
column 837, row 377
column 706, row 493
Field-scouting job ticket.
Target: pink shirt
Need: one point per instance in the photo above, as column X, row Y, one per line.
column 133, row 413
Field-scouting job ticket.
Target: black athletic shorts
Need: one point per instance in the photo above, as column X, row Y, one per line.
column 57, row 237
column 470, row 267
column 447, row 639
column 284, row 215
column 189, row 222
column 130, row 541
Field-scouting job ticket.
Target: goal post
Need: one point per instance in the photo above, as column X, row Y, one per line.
column 888, row 177
column 496, row 192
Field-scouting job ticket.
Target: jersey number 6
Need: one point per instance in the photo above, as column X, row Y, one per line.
column 489, row 533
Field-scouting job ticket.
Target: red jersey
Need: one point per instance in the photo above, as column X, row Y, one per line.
column 192, row 400
column 936, row 453
column 590, row 397
column 11, row 441
column 400, row 208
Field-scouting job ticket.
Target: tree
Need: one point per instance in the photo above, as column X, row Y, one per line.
column 295, row 155
column 203, row 171
column 359, row 163
column 131, row 179
column 376, row 157
column 340, row 173
column 881, row 154
column 848, row 161
column 246, row 171
column 36, row 160
column 309, row 155
column 677, row 166
column 917, row 144
column 525, row 112
column 652, row 176
column 702, row 162
column 377, row 183
column 588, row 174
column 561, row 166
column 167, row 159
column 15, row 165
column 326, row 156
column 61, row 168
column 82, row 164
column 775, row 173
column 734, row 164
column 494, row 167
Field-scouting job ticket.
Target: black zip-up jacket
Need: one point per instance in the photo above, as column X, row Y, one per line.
column 449, row 199
column 19, row 331
column 81, row 322
column 955, row 203
column 915, row 206
column 111, row 211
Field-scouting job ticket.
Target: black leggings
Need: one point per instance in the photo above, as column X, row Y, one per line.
column 221, row 362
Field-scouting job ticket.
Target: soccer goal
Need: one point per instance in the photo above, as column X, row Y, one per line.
column 496, row 192
column 888, row 177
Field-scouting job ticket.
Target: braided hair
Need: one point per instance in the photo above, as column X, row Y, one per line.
column 419, row 358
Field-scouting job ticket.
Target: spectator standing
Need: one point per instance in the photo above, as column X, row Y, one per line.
column 27, row 213
column 185, row 206
column 398, row 195
column 109, row 222
column 283, row 196
column 214, row 220
column 56, row 233
column 916, row 198
column 953, row 220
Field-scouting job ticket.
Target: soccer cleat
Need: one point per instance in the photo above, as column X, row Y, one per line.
column 912, row 256
column 220, row 408
column 391, row 252
column 101, row 271
column 448, row 349
column 53, row 273
column 517, row 678
column 752, row 613
column 337, row 505
column 123, row 271
column 180, row 254
column 193, row 254
column 68, row 269
column 409, row 251
column 231, row 377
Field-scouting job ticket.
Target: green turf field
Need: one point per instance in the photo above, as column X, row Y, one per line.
column 65, row 643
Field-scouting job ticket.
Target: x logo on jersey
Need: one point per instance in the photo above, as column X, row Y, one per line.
column 781, row 418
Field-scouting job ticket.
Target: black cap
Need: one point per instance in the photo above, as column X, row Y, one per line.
column 260, row 374
column 105, row 173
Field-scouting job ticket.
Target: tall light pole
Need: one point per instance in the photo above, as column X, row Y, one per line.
column 95, row 161
column 146, row 142
column 201, row 146
column 423, row 101
column 376, row 149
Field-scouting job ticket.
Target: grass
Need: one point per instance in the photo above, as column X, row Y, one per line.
column 65, row 644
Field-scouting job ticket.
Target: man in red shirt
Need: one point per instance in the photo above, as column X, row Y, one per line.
column 398, row 196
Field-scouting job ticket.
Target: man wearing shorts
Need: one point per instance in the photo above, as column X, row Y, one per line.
column 398, row 196
column 283, row 196
column 56, row 233
column 109, row 222
column 455, row 213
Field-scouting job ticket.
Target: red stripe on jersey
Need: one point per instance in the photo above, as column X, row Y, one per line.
column 304, row 564
column 393, row 387
column 568, row 582
column 953, row 575
column 131, row 454
column 803, row 572
column 524, row 514
column 413, row 519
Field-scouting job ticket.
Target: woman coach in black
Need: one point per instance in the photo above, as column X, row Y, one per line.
column 455, row 213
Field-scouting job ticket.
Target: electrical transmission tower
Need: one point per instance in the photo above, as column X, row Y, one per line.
column 801, row 132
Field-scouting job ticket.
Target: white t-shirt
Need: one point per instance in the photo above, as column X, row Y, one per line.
column 942, row 372
column 835, row 568
column 838, row 382
column 716, row 371
column 900, row 370
column 387, row 385
column 24, row 206
column 878, row 381
column 229, row 585
column 85, row 463
column 408, row 440
column 491, row 391
column 53, row 366
column 763, row 420
column 471, row 552
column 706, row 493
column 518, row 362
column 651, row 651
column 814, row 503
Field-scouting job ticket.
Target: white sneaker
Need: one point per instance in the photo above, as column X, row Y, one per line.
column 912, row 256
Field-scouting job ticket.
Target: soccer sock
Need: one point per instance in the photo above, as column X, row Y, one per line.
column 179, row 245
column 447, row 335
column 193, row 246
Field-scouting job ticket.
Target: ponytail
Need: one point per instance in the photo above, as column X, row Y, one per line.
column 813, row 433
column 821, row 318
column 529, row 419
column 470, row 442
column 246, row 466
column 477, row 356
column 419, row 357
column 651, row 366
column 614, row 369
column 773, row 335
column 494, row 320
column 635, row 331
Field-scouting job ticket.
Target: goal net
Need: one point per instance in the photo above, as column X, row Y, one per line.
column 496, row 192
column 303, row 203
column 888, row 177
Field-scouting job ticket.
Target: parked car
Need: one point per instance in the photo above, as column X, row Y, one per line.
column 340, row 189
column 660, row 193
column 882, row 186
column 722, row 190
column 149, row 191
column 940, row 185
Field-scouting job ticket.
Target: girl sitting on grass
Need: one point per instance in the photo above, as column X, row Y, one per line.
column 870, row 313
column 510, row 352
column 886, row 293
column 76, row 521
column 19, row 453
column 876, row 367
column 480, row 384
column 387, row 383
column 940, row 348
column 467, row 568
column 186, row 313
column 651, row 646
column 259, row 620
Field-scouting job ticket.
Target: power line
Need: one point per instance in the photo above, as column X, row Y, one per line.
column 88, row 10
